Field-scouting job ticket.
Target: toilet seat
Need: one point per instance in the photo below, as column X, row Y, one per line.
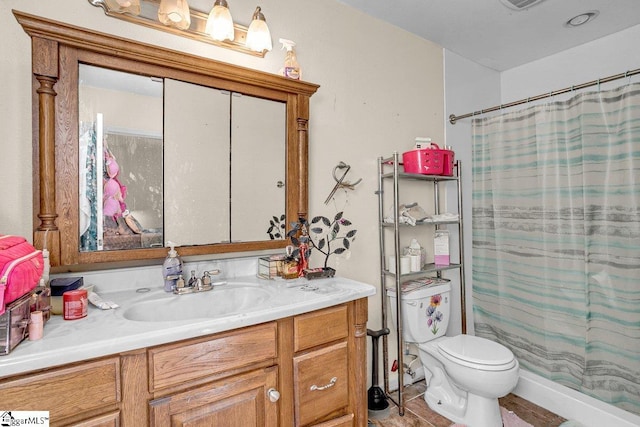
column 477, row 353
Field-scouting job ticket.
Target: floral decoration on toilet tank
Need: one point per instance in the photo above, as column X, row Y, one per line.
column 434, row 316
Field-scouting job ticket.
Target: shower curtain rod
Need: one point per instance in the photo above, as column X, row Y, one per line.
column 453, row 118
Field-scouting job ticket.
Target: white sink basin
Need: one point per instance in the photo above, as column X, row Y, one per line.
column 219, row 302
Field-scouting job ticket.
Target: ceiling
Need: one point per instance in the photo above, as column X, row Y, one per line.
column 491, row 34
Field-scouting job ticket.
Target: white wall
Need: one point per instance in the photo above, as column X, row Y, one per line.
column 379, row 88
column 607, row 56
column 468, row 87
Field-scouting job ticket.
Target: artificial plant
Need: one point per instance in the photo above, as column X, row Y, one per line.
column 324, row 235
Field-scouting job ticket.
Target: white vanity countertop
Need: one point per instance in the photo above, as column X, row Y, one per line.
column 105, row 332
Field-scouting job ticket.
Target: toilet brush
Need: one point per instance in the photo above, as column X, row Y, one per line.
column 377, row 399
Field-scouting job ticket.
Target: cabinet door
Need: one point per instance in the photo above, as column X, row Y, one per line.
column 196, row 175
column 239, row 401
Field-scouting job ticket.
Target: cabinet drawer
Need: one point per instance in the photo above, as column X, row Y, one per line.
column 65, row 392
column 175, row 364
column 320, row 327
column 346, row 421
column 321, row 384
column 107, row 420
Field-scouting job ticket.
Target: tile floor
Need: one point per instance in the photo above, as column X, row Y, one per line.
column 418, row 414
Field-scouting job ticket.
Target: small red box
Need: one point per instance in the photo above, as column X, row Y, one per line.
column 429, row 161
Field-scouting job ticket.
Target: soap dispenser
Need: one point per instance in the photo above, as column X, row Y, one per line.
column 171, row 268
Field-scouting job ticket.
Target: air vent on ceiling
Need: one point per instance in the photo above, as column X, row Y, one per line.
column 520, row 4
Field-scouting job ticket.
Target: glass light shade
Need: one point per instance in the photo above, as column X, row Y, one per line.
column 220, row 22
column 175, row 13
column 258, row 34
column 127, row 6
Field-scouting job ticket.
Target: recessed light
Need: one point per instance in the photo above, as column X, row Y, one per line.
column 581, row 19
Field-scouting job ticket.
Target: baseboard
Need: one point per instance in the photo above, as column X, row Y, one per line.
column 571, row 404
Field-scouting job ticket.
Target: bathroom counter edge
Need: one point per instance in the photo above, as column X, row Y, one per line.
column 107, row 332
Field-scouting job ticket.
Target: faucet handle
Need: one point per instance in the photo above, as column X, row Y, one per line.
column 180, row 282
column 206, row 279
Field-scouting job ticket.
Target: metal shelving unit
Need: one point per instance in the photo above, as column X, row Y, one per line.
column 389, row 172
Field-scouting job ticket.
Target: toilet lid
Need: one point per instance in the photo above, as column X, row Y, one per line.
column 477, row 352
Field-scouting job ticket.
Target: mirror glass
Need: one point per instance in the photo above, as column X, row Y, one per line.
column 120, row 160
column 166, row 160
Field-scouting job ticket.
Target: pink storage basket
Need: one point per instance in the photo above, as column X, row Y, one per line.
column 429, row 161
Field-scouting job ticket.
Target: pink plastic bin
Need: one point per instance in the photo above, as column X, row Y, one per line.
column 429, row 161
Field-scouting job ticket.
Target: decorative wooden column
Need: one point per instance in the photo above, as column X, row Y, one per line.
column 45, row 69
column 358, row 363
column 303, row 155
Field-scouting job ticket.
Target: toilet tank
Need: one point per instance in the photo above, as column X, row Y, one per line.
column 425, row 309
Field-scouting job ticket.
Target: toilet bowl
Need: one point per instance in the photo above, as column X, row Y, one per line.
column 465, row 385
column 465, row 374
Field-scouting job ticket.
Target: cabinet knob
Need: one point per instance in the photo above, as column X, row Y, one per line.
column 326, row 386
column 274, row 395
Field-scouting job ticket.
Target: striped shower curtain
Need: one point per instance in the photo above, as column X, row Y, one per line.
column 556, row 240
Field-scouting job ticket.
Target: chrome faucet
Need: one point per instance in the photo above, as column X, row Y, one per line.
column 197, row 284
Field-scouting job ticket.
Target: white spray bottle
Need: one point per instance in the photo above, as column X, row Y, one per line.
column 291, row 68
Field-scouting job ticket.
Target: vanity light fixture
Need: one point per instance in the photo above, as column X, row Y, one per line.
column 220, row 22
column 258, row 34
column 167, row 16
column 175, row 13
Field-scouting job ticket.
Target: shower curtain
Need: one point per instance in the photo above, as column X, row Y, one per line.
column 556, row 240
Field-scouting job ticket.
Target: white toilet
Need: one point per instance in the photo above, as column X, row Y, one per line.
column 465, row 374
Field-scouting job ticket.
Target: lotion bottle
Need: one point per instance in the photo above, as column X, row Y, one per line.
column 171, row 268
column 44, row 280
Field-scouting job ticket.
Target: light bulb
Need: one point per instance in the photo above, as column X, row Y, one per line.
column 258, row 34
column 175, row 13
column 128, row 6
column 220, row 23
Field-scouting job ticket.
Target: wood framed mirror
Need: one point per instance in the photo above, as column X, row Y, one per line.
column 60, row 51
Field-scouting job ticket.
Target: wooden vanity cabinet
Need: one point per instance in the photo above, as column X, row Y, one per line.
column 306, row 370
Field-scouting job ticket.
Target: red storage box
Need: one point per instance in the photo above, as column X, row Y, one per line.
column 429, row 161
